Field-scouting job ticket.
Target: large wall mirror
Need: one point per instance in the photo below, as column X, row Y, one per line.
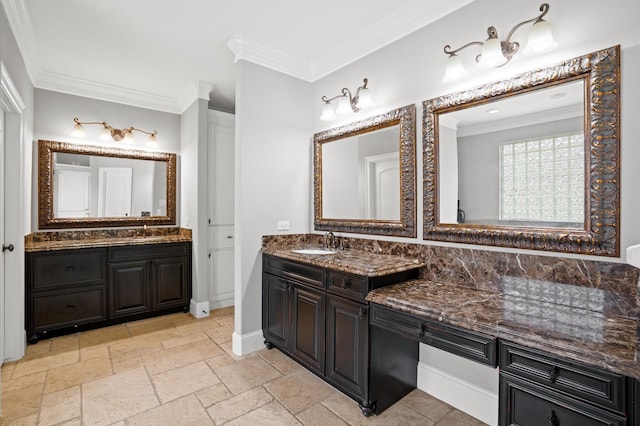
column 82, row 186
column 364, row 176
column 531, row 162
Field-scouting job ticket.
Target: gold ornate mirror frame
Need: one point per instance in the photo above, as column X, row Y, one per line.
column 601, row 233
column 46, row 219
column 405, row 118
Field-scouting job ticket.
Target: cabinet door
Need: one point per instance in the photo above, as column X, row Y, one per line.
column 307, row 333
column 129, row 288
column 275, row 310
column 169, row 281
column 347, row 343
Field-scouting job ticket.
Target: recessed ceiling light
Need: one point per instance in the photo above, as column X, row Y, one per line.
column 493, row 111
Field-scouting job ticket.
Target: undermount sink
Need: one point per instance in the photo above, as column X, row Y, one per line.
column 314, row 251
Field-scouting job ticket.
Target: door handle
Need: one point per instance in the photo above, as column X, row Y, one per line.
column 7, row 248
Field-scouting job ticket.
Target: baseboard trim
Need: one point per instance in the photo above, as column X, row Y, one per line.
column 243, row 344
column 224, row 303
column 473, row 400
column 199, row 309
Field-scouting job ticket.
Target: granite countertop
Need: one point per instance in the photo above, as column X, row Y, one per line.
column 62, row 240
column 353, row 261
column 573, row 323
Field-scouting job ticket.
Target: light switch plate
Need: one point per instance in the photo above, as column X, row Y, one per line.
column 283, row 225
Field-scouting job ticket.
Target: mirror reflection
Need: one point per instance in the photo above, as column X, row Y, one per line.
column 361, row 176
column 99, row 186
column 518, row 161
column 86, row 186
column 364, row 175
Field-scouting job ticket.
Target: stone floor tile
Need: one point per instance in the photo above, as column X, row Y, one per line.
column 7, row 370
column 220, row 334
column 246, row 374
column 179, row 356
column 272, row 414
column 31, row 420
column 64, row 343
column 239, row 405
column 299, row 391
column 22, row 403
column 458, row 418
column 91, row 352
column 75, row 374
column 181, row 340
column 181, row 381
column 60, row 406
column 123, row 364
column 134, row 348
column 213, row 394
column 220, row 361
column 117, row 397
column 280, row 361
column 427, row 405
column 13, row 385
column 319, row 415
column 42, row 346
column 104, row 335
column 185, row 411
column 46, row 362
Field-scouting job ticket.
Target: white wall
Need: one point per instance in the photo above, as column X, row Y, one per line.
column 273, row 143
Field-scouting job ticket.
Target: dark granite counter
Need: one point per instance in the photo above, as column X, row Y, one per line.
column 571, row 322
column 62, row 240
column 353, row 261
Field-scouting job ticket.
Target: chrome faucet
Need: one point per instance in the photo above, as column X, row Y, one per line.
column 329, row 240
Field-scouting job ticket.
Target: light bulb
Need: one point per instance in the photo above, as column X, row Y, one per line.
column 364, row 98
column 153, row 141
column 454, row 69
column 344, row 106
column 129, row 139
column 491, row 55
column 105, row 135
column 78, row 131
column 540, row 39
column 327, row 112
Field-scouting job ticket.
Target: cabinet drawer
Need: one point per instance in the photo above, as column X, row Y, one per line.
column 148, row 251
column 347, row 285
column 68, row 308
column 67, row 267
column 524, row 403
column 307, row 274
column 471, row 345
column 591, row 384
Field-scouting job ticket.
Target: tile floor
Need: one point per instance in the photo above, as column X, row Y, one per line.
column 178, row 370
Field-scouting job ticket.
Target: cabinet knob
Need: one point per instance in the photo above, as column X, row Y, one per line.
column 345, row 284
column 422, row 330
column 7, row 248
column 70, row 268
column 362, row 313
column 553, row 419
column 69, row 308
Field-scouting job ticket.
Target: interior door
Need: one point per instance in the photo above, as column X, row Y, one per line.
column 114, row 191
column 2, row 241
column 383, row 186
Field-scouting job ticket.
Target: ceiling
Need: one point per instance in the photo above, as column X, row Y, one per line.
column 161, row 54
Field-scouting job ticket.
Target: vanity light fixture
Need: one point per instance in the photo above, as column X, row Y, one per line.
column 109, row 133
column 496, row 53
column 346, row 102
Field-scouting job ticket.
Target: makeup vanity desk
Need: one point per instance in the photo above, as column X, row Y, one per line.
column 563, row 358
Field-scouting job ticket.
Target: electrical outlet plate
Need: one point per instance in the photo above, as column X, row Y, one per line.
column 283, row 225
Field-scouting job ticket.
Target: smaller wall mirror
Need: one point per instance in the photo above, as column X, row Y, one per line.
column 530, row 162
column 364, row 176
column 83, row 186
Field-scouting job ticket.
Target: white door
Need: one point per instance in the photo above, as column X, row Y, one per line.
column 2, row 257
column 72, row 190
column 114, row 191
column 383, row 186
column 221, row 149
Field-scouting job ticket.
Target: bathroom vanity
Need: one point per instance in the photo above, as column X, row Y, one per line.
column 79, row 284
column 314, row 310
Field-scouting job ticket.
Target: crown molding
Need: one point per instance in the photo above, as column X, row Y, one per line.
column 92, row 89
column 22, row 29
column 195, row 90
column 10, row 99
column 266, row 56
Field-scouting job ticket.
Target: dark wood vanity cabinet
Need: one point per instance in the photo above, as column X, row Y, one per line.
column 320, row 318
column 82, row 288
column 539, row 389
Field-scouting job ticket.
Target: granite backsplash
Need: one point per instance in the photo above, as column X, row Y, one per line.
column 545, row 278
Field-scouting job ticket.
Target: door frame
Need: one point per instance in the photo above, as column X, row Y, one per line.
column 18, row 199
